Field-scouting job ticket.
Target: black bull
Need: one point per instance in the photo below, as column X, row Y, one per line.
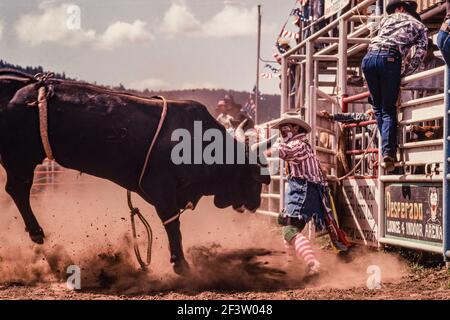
column 107, row 135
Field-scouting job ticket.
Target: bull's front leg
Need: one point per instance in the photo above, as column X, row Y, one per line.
column 18, row 187
column 180, row 265
column 165, row 203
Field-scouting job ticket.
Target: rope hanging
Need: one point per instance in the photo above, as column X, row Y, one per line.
column 43, row 122
column 135, row 211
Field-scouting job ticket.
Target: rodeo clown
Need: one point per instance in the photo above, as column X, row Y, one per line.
column 307, row 194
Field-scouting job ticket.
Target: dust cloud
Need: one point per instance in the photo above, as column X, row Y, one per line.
column 86, row 222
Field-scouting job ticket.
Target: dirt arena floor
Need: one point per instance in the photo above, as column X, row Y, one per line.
column 232, row 256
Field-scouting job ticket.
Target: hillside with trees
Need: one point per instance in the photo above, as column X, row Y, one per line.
column 268, row 105
column 31, row 70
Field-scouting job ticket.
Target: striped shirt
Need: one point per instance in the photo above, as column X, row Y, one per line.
column 301, row 159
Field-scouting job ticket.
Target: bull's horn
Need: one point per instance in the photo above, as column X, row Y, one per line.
column 265, row 144
column 239, row 132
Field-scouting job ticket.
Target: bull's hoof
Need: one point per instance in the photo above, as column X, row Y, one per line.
column 37, row 236
column 182, row 268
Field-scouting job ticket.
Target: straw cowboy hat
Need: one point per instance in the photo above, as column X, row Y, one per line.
column 283, row 42
column 292, row 118
column 409, row 5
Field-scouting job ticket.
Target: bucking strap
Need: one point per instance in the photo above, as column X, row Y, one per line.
column 43, row 122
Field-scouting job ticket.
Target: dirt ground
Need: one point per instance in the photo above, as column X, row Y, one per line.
column 417, row 284
column 232, row 256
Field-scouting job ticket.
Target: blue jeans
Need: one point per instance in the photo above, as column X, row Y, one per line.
column 303, row 200
column 443, row 42
column 382, row 70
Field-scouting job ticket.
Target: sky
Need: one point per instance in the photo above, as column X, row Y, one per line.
column 154, row 44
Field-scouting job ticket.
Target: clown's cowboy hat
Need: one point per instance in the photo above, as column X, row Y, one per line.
column 409, row 5
column 292, row 118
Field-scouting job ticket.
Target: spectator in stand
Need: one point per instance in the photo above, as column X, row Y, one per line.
column 313, row 10
column 283, row 46
column 430, row 85
column 223, row 118
column 231, row 115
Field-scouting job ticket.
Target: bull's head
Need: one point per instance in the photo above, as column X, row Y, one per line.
column 245, row 182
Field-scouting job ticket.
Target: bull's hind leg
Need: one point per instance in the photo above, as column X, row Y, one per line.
column 18, row 186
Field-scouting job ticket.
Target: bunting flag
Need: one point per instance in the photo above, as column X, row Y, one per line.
column 267, row 75
column 290, row 34
column 272, row 68
column 298, row 13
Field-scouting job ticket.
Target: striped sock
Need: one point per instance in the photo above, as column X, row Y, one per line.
column 303, row 249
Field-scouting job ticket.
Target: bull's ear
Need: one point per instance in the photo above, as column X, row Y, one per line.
column 261, row 178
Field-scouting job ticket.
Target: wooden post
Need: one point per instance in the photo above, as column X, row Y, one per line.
column 309, row 73
column 342, row 56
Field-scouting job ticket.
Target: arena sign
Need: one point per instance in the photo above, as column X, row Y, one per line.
column 414, row 211
column 359, row 218
column 334, row 6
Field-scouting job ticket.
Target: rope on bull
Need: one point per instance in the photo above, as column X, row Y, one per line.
column 134, row 210
column 43, row 122
column 43, row 95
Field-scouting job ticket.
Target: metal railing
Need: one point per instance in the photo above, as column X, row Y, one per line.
column 304, row 53
column 417, row 154
column 324, row 134
column 446, row 191
column 49, row 176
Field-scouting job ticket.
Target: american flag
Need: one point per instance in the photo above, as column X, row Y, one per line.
column 297, row 12
column 250, row 105
column 290, row 34
column 266, row 75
